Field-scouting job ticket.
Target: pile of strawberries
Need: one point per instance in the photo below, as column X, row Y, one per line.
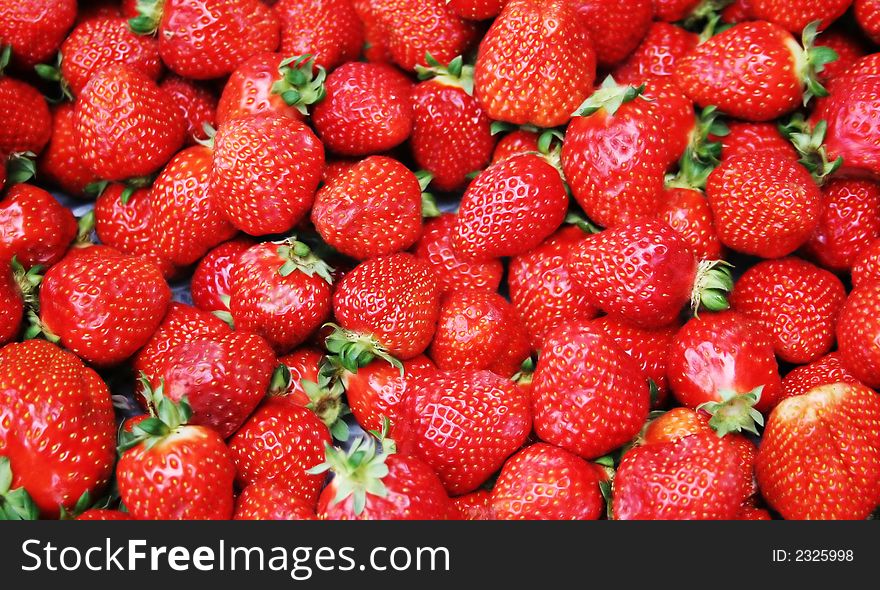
column 658, row 295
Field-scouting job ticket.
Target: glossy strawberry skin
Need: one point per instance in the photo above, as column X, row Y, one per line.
column 367, row 109
column 535, row 48
column 249, row 90
column 34, row 227
column 303, row 364
column 60, row 163
column 656, row 56
column 35, row 28
column 823, row 371
column 11, row 305
column 746, row 137
column 722, row 352
column 866, row 268
column 375, row 48
column 374, row 392
column 849, row 48
column 104, row 514
column 571, row 397
column 673, row 10
column 794, row 15
column 56, row 424
column 543, row 482
column 116, row 151
column 25, row 122
column 867, row 13
column 268, row 499
column 510, row 208
column 473, row 506
column 265, row 172
column 819, row 455
column 849, row 222
column 857, row 334
column 687, row 212
column 211, row 278
column 463, row 424
column 196, row 102
column 104, row 305
column 476, row 9
column 616, row 28
column 328, row 30
column 514, row 143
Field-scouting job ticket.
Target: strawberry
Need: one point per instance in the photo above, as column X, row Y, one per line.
column 61, row 164
column 271, row 83
column 463, row 424
column 795, row 301
column 376, row 196
column 615, row 155
column 657, row 54
column 795, row 15
column 452, row 271
column 34, row 227
column 57, row 428
column 113, row 150
column 210, row 281
column 164, row 450
column 16, row 284
column 476, row 9
column 196, row 102
column 281, row 291
column 367, row 109
column 103, row 304
column 820, row 454
column 268, row 499
column 328, row 30
column 186, row 222
column 204, row 39
column 644, row 273
column 451, row 135
column 543, row 482
column 616, row 28
column 866, row 268
column 375, row 391
column 858, row 333
column 510, row 208
column 673, row 10
column 536, row 64
column 375, row 46
column 588, row 396
column 303, row 364
column 474, row 506
column 541, row 288
column 265, row 173
column 35, row 28
column 747, row 512
column 848, row 47
column 687, row 211
column 764, row 204
column 754, row 71
column 477, row 329
column 25, row 122
column 519, row 141
column 744, row 138
column 104, row 514
column 867, row 13
column 386, row 305
column 824, row 371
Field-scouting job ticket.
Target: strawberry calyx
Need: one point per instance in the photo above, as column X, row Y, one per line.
column 610, row 96
column 52, row 73
column 325, row 395
column 225, row 314
column 20, row 167
column 298, row 256
column 692, row 172
column 584, row 224
column 166, row 418
column 455, row 74
column 15, row 504
column 429, row 203
column 523, row 377
column 210, row 132
column 812, row 61
column 300, row 83
column 85, row 227
column 707, row 11
column 712, row 283
column 5, row 57
column 28, row 282
column 354, row 350
column 149, row 16
column 702, row 149
column 36, row 328
column 735, row 413
column 810, row 145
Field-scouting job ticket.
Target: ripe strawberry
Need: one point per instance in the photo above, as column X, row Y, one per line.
column 536, row 64
column 186, row 222
column 687, row 211
column 281, row 291
column 543, row 482
column 60, row 163
column 103, row 304
column 476, row 9
column 367, row 109
column 16, row 285
column 271, row 83
column 377, row 196
column 754, row 71
column 210, row 281
column 35, row 28
column 744, row 138
column 795, row 15
column 477, row 329
column 764, row 204
column 375, row 47
column 266, row 170
column 858, row 334
column 820, row 454
column 795, row 301
column 167, row 449
column 328, row 30
column 824, row 371
column 616, row 28
column 452, row 271
column 109, row 145
column 737, row 11
column 673, row 10
column 103, row 514
column 867, row 13
column 303, row 364
column 657, row 54
column 473, row 506
column 25, row 122
column 268, row 499
column 196, row 102
column 486, row 419
column 541, row 288
column 519, row 141
column 386, row 305
column 588, row 396
column 375, row 391
column 57, row 430
column 866, row 268
column 848, row 47
column 644, row 273
column 34, row 227
column 204, row 39
column 510, row 208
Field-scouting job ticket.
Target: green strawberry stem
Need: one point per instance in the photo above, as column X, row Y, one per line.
column 85, row 226
column 429, row 203
column 52, row 73
column 325, row 395
column 692, row 173
column 298, row 256
column 20, row 167
column 814, row 60
column 585, row 225
column 455, row 74
column 354, row 350
column 225, row 314
column 810, row 145
column 610, row 96
column 15, row 504
column 36, row 328
column 707, row 11
column 5, row 57
column 149, row 16
column 525, row 373
column 166, row 417
column 358, row 472
column 712, row 283
column 28, row 281
column 735, row 413
column 301, row 84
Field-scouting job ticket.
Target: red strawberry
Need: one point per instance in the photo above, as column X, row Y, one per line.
column 25, row 122
column 510, row 208
column 744, row 138
column 795, row 15
column 102, row 304
column 376, row 196
column 375, row 391
column 269, row 499
column 266, row 169
column 197, row 103
column 303, row 364
column 858, row 333
column 34, row 227
column 673, row 10
column 796, row 302
column 474, row 506
column 210, row 281
column 687, row 211
column 867, row 13
column 451, row 269
column 367, row 109
column 61, row 164
column 824, row 371
column 541, row 288
column 644, row 274
column 764, row 204
column 463, row 424
column 657, row 54
column 204, row 39
column 616, row 28
column 866, row 268
column 536, row 64
column 515, row 143
column 281, row 291
column 35, row 28
column 15, row 285
column 588, row 396
column 171, row 470
column 103, row 514
column 848, row 47
column 56, row 425
column 820, row 454
column 375, row 41
column 114, row 150
column 328, row 30
column 476, row 9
